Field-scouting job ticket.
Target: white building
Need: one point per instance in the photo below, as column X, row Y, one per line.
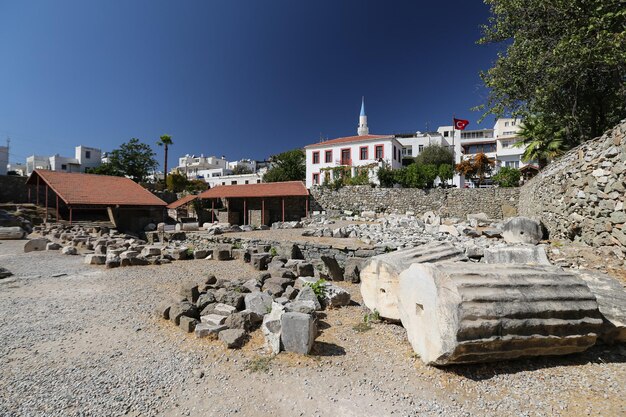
column 363, row 150
column 506, row 132
column 196, row 167
column 4, row 159
column 84, row 157
column 18, row 168
column 218, row 171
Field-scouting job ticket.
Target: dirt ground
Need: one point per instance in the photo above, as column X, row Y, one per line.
column 84, row 340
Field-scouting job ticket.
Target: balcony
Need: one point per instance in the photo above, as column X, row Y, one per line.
column 344, row 161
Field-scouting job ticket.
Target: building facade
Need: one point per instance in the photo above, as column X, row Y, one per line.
column 84, row 157
column 363, row 151
column 219, row 171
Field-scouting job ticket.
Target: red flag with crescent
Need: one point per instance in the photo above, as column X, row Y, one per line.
column 459, row 124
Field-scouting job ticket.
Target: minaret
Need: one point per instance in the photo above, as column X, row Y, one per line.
column 363, row 129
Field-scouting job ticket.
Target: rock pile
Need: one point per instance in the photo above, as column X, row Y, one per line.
column 281, row 305
column 13, row 227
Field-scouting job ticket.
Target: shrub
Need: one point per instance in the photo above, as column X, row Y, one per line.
column 507, row 177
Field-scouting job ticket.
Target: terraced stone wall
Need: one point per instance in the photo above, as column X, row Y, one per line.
column 581, row 196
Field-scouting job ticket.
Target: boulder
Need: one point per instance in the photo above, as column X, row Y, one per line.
column 187, row 227
column 69, row 250
column 93, row 259
column 204, row 300
column 430, row 218
column 307, row 294
column 449, row 229
column 518, row 254
column 379, row 276
column 246, row 320
column 223, row 309
column 214, row 319
column 209, row 330
column 53, row 246
column 222, row 253
column 471, row 312
column 13, row 232
column 233, row 338
column 4, row 273
column 258, row 302
column 229, row 297
column 352, row 271
column 33, row 245
column 305, row 269
column 611, row 298
column 183, row 308
column 335, row 272
column 271, row 328
column 259, row 261
column 298, row 332
column 199, row 254
column 522, row 230
column 190, row 292
column 187, row 324
column 335, row 296
column 304, row 306
column 151, row 251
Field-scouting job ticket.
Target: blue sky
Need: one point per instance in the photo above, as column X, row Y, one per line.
column 233, row 77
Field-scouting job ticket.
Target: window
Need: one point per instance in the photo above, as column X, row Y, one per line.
column 247, row 182
column 379, row 152
column 346, row 157
column 445, row 134
column 258, row 181
column 479, row 147
column 420, row 148
column 509, row 133
column 316, row 157
column 88, row 154
column 233, row 182
column 395, row 153
column 511, row 164
column 328, row 156
column 403, row 151
column 363, row 153
column 409, row 151
column 513, row 123
column 316, row 179
column 63, row 167
column 223, row 183
column 506, row 124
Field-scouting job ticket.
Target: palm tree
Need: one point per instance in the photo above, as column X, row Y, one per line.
column 166, row 141
column 542, row 143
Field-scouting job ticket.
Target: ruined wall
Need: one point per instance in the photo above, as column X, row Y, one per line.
column 581, row 195
column 497, row 203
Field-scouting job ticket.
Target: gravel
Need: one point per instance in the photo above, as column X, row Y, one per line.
column 88, row 343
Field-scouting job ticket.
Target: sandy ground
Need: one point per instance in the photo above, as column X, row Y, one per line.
column 84, row 340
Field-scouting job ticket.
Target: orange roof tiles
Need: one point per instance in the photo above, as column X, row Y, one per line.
column 270, row 189
column 95, row 190
column 349, row 139
column 186, row 199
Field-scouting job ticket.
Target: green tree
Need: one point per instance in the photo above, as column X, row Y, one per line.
column 287, row 166
column 105, row 169
column 176, row 182
column 543, row 142
column 133, row 159
column 387, row 177
column 507, row 177
column 446, row 172
column 166, row 142
column 435, row 155
column 563, row 61
column 241, row 169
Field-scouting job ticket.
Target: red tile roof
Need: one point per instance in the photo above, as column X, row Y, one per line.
column 270, row 189
column 95, row 190
column 349, row 139
column 186, row 199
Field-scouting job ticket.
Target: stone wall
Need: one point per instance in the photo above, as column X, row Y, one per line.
column 497, row 203
column 13, row 189
column 581, row 195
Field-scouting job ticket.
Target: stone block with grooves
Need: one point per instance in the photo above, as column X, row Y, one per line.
column 470, row 312
column 38, row 244
column 12, row 232
column 611, row 298
column 379, row 276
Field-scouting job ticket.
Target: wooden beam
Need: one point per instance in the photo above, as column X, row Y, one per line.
column 70, row 216
column 262, row 211
column 283, row 201
column 37, row 189
column 306, row 209
column 212, row 210
column 46, row 203
column 244, row 211
column 57, row 208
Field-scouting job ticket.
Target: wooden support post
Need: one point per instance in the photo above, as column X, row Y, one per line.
column 70, row 216
column 46, row 220
column 212, row 210
column 37, row 189
column 244, row 212
column 30, row 187
column 57, row 208
column 262, row 211
column 283, row 201
column 306, row 209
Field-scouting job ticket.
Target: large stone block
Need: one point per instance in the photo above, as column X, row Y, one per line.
column 38, row 244
column 518, row 254
column 93, row 259
column 259, row 261
column 298, row 332
column 462, row 312
column 13, row 232
column 379, row 276
column 258, row 302
column 333, row 269
column 272, row 328
column 611, row 298
column 522, row 230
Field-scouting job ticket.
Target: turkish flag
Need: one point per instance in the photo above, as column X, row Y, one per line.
column 459, row 124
